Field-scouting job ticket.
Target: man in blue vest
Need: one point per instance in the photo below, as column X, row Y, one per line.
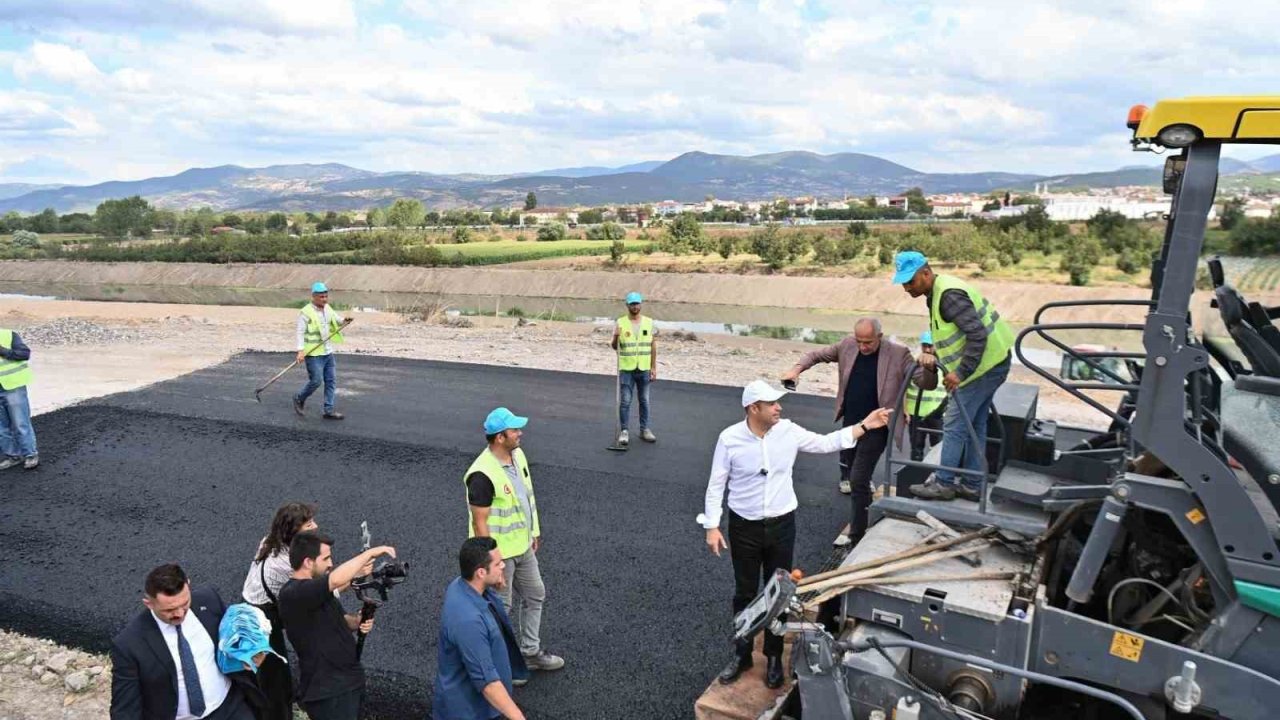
column 17, row 438
column 319, row 330
column 633, row 338
column 973, row 347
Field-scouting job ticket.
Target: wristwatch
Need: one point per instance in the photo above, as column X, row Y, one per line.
column 864, row 428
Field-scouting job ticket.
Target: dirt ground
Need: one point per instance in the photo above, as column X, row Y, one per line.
column 148, row 343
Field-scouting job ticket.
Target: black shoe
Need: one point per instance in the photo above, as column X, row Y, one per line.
column 737, row 666
column 773, row 672
column 333, row 415
column 298, row 405
column 964, row 492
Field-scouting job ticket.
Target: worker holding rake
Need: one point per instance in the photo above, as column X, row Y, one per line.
column 319, row 330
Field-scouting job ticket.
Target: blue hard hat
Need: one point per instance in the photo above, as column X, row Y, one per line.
column 926, row 337
column 319, row 287
column 905, row 264
column 634, row 297
column 503, row 419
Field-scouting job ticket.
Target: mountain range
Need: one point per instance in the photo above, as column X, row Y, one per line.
column 690, row 177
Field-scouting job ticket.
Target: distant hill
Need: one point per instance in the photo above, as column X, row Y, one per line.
column 688, row 177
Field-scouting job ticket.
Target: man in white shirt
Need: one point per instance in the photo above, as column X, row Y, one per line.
column 163, row 662
column 754, row 459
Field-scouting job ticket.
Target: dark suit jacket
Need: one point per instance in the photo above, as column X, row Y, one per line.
column 144, row 681
column 891, row 372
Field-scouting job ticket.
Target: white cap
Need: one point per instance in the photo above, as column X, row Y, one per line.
column 759, row 390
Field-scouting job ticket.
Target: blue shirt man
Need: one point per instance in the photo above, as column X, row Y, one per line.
column 478, row 653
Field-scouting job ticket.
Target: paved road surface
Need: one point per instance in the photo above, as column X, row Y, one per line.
column 190, row 470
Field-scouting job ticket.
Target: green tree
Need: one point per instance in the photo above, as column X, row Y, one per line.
column 606, row 231
column 617, row 252
column 499, row 216
column 1255, row 236
column 83, row 222
column 45, row 222
column 462, row 234
column 375, row 217
column 232, row 220
column 770, row 246
column 277, row 222
column 727, row 245
column 406, row 212
column 1232, row 214
column 255, row 225
column 826, row 251
column 1106, row 223
column 530, row 220
column 591, row 216
column 684, row 235
column 130, row 217
column 1080, row 258
column 551, row 232
column 916, row 202
column 530, row 201
column 26, row 239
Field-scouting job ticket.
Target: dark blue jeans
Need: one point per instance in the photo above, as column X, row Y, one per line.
column 321, row 368
column 632, row 382
column 957, row 446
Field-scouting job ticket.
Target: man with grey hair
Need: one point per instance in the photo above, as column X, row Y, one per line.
column 871, row 371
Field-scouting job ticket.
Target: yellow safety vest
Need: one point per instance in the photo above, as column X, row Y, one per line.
column 635, row 345
column 315, row 331
column 507, row 523
column 13, row 373
column 930, row 400
column 949, row 340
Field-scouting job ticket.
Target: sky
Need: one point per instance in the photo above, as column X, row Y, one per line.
column 96, row 90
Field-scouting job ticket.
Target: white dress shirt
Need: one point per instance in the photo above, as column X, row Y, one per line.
column 213, row 684
column 758, row 469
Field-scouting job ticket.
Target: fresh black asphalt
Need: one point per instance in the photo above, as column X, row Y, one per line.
column 190, row 471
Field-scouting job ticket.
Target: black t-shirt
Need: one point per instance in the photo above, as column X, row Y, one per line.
column 479, row 490
column 315, row 623
column 860, row 396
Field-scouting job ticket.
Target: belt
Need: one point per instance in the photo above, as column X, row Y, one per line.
column 776, row 519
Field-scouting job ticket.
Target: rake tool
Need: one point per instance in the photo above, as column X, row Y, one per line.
column 257, row 394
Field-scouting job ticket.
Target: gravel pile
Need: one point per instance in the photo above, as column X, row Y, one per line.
column 73, row 331
column 51, row 681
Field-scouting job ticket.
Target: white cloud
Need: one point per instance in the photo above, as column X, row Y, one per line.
column 502, row 85
column 55, row 62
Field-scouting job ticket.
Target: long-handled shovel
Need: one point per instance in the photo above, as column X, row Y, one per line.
column 617, row 413
column 257, row 394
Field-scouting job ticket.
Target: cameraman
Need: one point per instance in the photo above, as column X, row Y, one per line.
column 331, row 686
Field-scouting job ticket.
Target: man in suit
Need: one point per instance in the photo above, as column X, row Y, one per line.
column 871, row 373
column 163, row 662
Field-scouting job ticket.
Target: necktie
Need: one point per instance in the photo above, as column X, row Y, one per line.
column 190, row 677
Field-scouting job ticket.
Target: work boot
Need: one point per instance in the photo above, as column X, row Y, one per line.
column 964, row 492
column 624, row 438
column 544, row 661
column 9, row 462
column 333, row 415
column 773, row 672
column 31, row 463
column 738, row 665
column 931, row 489
column 845, row 487
column 298, row 405
column 647, row 435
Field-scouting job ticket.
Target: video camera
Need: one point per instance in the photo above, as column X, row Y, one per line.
column 373, row 589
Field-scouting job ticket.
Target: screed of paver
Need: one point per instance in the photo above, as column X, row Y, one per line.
column 190, row 470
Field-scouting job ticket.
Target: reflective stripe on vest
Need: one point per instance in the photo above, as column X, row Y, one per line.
column 507, row 523
column 635, row 345
column 315, row 331
column 13, row 373
column 930, row 400
column 949, row 340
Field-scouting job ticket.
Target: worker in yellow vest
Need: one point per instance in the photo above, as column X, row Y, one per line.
column 318, row 333
column 925, row 407
column 17, row 437
column 633, row 338
column 501, row 505
column 973, row 351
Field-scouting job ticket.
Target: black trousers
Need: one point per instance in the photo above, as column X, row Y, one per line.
column 342, row 707
column 918, row 438
column 233, row 708
column 275, row 678
column 758, row 548
column 857, row 464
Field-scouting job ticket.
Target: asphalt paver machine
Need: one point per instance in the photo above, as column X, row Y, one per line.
column 1128, row 574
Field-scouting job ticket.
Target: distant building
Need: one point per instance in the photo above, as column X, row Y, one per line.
column 545, row 215
column 948, row 208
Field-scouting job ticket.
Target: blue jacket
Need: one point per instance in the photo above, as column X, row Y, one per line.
column 477, row 647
